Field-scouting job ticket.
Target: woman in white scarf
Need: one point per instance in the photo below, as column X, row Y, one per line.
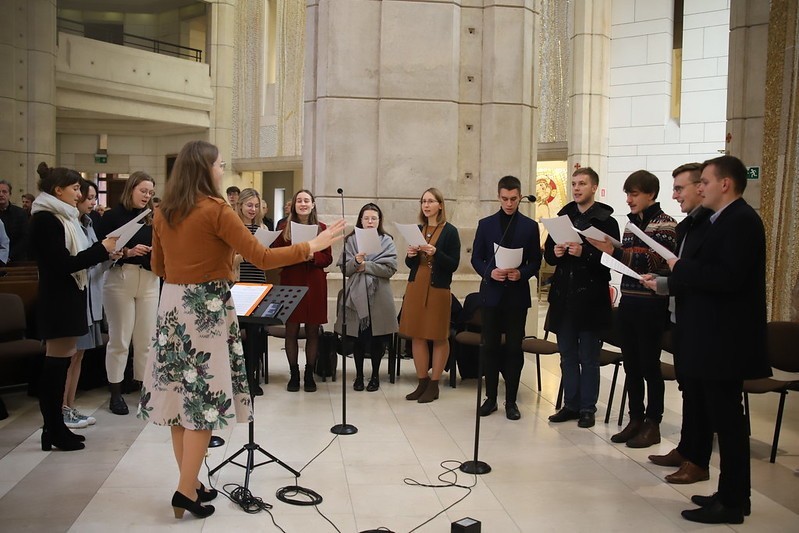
column 369, row 309
column 62, row 254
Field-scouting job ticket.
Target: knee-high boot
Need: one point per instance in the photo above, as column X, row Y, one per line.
column 51, row 396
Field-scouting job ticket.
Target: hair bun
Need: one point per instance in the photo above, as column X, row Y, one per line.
column 43, row 170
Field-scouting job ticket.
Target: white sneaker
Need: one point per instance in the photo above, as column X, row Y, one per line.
column 89, row 419
column 71, row 421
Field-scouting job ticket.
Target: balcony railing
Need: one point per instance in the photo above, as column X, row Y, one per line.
column 113, row 34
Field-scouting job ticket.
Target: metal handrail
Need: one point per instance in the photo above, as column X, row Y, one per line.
column 137, row 41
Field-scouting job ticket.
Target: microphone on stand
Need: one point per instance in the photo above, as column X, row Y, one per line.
column 344, row 428
column 529, row 197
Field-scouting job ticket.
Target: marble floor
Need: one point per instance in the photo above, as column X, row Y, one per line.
column 544, row 477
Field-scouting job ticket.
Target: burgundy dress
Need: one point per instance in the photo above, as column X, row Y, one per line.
column 312, row 309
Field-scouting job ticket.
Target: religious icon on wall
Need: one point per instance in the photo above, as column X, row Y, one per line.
column 550, row 192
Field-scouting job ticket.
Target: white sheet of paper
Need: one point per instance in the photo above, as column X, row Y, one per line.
column 614, row 264
column 659, row 249
column 303, row 232
column 126, row 227
column 246, row 296
column 598, row 235
column 411, row 233
column 561, row 229
column 368, row 240
column 266, row 237
column 507, row 257
column 126, row 233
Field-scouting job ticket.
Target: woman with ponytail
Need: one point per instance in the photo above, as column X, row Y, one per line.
column 62, row 253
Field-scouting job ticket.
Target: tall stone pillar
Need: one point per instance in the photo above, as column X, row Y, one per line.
column 27, row 91
column 590, row 98
column 746, row 88
column 221, row 49
column 405, row 95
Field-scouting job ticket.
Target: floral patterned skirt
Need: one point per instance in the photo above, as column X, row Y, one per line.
column 195, row 375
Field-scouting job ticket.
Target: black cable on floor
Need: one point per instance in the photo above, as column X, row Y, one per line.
column 446, row 484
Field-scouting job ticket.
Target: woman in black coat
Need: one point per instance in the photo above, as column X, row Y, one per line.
column 62, row 254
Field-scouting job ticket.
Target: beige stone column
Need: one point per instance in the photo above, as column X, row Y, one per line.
column 590, row 82
column 27, row 91
column 746, row 87
column 221, row 51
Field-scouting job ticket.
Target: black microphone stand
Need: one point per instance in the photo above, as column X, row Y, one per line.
column 475, row 466
column 343, row 428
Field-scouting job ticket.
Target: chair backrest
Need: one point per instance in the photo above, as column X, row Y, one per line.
column 783, row 345
column 12, row 317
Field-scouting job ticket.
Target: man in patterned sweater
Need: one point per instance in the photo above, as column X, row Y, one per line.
column 642, row 313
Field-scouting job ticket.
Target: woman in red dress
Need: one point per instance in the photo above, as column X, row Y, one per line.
column 312, row 309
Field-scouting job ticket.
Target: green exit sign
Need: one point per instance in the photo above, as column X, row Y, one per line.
column 753, row 173
column 101, row 158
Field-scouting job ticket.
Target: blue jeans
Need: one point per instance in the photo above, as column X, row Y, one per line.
column 579, row 366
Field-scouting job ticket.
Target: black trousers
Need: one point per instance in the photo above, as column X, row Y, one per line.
column 696, row 435
column 720, row 407
column 508, row 359
column 643, row 322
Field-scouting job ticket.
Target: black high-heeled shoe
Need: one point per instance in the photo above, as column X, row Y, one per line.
column 206, row 495
column 62, row 442
column 181, row 503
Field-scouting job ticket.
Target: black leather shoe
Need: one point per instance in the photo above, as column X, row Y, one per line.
column 564, row 415
column 373, row 385
column 206, row 495
column 512, row 411
column 257, row 391
column 488, row 407
column 587, row 420
column 118, row 406
column 706, row 501
column 357, row 385
column 716, row 513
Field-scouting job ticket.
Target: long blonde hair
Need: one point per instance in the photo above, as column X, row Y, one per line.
column 127, row 193
column 245, row 195
column 192, row 177
column 313, row 220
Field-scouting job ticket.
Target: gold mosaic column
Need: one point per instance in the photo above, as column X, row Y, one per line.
column 779, row 187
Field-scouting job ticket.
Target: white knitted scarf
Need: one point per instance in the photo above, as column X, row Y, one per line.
column 74, row 238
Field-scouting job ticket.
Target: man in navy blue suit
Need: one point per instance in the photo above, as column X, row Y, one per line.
column 505, row 293
column 722, row 309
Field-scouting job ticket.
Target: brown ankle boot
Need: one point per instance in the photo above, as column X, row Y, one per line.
column 629, row 432
column 430, row 393
column 420, row 388
column 647, row 436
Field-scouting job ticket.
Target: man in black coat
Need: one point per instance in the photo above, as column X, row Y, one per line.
column 723, row 311
column 692, row 454
column 579, row 300
column 15, row 220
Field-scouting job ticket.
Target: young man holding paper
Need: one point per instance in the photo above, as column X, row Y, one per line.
column 505, row 292
column 642, row 312
column 579, row 299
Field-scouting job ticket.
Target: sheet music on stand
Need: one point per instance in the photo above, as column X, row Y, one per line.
column 276, row 307
column 247, row 296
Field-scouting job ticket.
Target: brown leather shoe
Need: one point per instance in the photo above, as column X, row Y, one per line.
column 688, row 473
column 646, row 437
column 673, row 458
column 632, row 429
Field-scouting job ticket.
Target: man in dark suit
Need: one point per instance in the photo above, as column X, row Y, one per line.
column 692, row 454
column 723, row 312
column 505, row 293
column 16, row 222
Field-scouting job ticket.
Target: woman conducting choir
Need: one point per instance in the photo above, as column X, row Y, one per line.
column 426, row 307
column 369, row 307
column 195, row 380
column 62, row 253
column 312, row 309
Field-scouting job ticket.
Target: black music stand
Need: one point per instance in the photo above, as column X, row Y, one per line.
column 288, row 298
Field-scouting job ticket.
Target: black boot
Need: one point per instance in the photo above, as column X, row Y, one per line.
column 117, row 404
column 294, row 380
column 309, row 383
column 51, row 397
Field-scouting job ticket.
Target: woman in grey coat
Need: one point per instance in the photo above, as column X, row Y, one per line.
column 371, row 315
